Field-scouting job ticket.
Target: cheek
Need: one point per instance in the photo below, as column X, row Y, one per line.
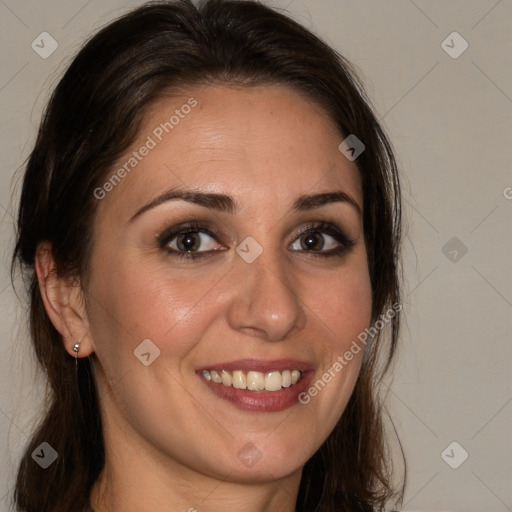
column 343, row 304
column 133, row 302
column 342, row 313
column 353, row 316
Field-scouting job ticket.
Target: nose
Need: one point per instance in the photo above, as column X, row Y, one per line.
column 265, row 302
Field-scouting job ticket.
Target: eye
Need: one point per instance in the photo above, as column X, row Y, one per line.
column 189, row 241
column 192, row 241
column 323, row 238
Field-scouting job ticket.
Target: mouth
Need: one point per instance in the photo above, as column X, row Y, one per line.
column 254, row 381
column 252, row 385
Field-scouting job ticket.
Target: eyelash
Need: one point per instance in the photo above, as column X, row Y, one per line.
column 327, row 228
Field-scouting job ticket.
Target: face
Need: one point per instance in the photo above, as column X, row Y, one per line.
column 233, row 245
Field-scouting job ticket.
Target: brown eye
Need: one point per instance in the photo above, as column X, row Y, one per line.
column 312, row 242
column 190, row 240
column 324, row 239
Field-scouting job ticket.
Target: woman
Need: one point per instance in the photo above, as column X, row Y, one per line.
column 211, row 221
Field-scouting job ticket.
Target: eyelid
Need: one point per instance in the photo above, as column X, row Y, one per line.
column 331, row 229
column 194, row 226
column 327, row 227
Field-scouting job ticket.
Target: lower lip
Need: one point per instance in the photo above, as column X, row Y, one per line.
column 261, row 401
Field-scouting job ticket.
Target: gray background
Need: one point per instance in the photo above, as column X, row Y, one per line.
column 450, row 122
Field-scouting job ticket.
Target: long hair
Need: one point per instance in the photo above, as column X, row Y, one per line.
column 93, row 116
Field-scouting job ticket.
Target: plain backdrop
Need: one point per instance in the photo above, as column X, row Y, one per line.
column 448, row 112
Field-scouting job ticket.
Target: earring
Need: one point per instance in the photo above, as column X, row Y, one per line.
column 76, row 348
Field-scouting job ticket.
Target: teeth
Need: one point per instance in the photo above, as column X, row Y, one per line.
column 273, row 381
column 254, row 381
column 239, row 381
column 226, row 378
column 215, row 376
column 287, row 379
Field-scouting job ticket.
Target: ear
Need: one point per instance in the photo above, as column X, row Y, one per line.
column 64, row 302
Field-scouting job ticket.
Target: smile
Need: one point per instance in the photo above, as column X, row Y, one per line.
column 253, row 380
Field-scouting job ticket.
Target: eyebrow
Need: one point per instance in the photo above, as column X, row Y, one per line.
column 225, row 203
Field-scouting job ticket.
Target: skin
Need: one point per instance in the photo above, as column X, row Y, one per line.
column 171, row 444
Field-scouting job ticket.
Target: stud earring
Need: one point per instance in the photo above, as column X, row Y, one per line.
column 76, row 348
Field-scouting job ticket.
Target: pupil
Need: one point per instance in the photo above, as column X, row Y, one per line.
column 313, row 241
column 188, row 242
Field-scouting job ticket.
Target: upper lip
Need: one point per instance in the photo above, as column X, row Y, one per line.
column 260, row 365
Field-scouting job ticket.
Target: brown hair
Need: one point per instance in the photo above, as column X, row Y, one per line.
column 93, row 116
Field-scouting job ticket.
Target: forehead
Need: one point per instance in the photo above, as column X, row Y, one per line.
column 257, row 142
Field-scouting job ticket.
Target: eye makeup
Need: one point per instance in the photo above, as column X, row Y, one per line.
column 187, row 239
